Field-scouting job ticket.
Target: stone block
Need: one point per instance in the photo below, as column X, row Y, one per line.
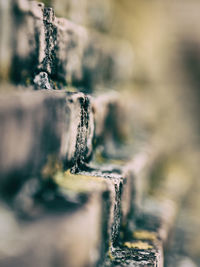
column 119, row 183
column 67, row 227
column 155, row 218
column 77, row 146
column 40, row 127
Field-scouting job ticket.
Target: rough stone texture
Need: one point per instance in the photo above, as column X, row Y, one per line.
column 78, row 146
column 119, row 182
column 137, row 253
column 68, row 53
column 39, row 126
column 66, row 228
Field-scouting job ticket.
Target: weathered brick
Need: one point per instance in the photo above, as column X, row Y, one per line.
column 37, row 126
column 119, row 183
column 78, row 146
column 67, row 227
column 155, row 218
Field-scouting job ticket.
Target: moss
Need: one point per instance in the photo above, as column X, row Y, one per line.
column 144, row 235
column 110, row 255
column 48, row 3
column 138, row 245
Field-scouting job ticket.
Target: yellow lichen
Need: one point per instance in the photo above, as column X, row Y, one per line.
column 71, row 89
column 110, row 255
column 117, row 161
column 110, row 251
column 78, row 183
column 138, row 245
column 144, row 235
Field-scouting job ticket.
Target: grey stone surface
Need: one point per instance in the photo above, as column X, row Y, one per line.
column 38, row 127
column 137, row 254
column 79, row 135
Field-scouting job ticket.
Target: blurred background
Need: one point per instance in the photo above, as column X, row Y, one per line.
column 162, row 91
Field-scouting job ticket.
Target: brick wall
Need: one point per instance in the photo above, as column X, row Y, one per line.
column 83, row 180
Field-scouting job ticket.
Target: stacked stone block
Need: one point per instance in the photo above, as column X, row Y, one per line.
column 69, row 196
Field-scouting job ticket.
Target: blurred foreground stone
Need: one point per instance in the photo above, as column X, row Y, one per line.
column 67, row 228
column 66, row 53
